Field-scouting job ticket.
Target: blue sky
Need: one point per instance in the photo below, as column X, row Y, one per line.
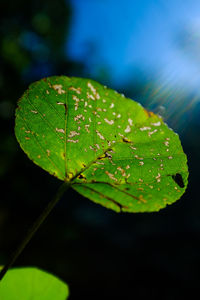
column 131, row 34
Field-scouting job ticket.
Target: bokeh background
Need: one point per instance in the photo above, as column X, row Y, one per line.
column 150, row 51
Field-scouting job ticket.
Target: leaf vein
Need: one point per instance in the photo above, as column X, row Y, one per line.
column 40, row 146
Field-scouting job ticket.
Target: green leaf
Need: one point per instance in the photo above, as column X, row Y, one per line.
column 109, row 147
column 32, row 283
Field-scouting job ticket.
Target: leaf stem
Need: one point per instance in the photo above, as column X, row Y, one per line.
column 32, row 230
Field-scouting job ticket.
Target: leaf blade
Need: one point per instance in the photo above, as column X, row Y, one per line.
column 32, row 283
column 103, row 142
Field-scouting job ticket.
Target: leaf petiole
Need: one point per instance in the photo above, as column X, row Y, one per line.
column 35, row 227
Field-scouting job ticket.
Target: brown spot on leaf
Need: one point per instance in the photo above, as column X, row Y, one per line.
column 125, row 140
column 148, row 113
column 81, row 176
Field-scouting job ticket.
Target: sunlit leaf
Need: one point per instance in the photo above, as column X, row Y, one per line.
column 32, row 283
column 112, row 150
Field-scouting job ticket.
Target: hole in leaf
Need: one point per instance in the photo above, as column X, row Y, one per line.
column 178, row 179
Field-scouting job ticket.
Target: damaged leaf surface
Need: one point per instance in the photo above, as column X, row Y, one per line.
column 109, row 147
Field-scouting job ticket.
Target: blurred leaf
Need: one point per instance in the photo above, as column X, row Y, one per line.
column 111, row 149
column 32, row 283
column 13, row 53
column 41, row 22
